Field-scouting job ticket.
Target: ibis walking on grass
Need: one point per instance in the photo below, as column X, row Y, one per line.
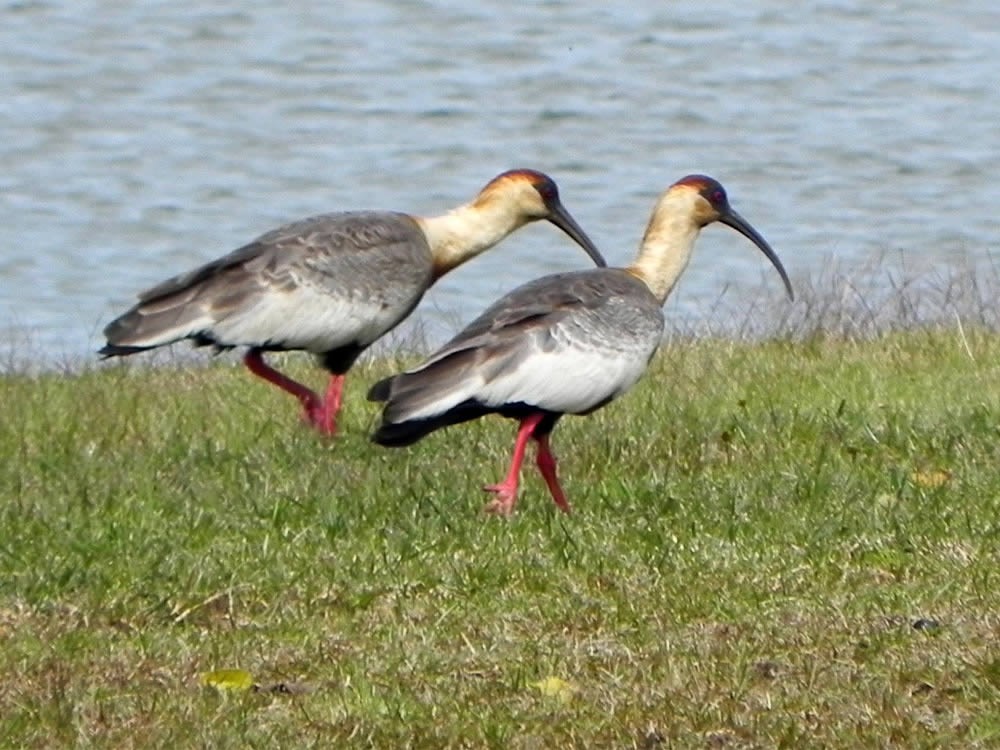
column 332, row 284
column 568, row 343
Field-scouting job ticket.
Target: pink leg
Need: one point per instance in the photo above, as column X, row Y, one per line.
column 331, row 405
column 506, row 491
column 547, row 465
column 311, row 403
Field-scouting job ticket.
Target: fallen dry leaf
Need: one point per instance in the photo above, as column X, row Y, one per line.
column 930, row 479
column 554, row 687
column 228, row 679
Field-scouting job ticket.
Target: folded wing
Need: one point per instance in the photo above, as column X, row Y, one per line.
column 566, row 343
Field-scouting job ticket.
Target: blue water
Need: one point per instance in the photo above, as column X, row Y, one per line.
column 142, row 138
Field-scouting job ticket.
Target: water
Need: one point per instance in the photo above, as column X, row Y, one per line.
column 138, row 139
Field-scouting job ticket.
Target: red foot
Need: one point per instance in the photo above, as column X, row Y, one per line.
column 314, row 409
column 503, row 503
column 506, row 491
column 546, row 463
column 326, row 418
column 314, row 415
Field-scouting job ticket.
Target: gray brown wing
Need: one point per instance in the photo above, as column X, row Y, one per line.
column 590, row 306
column 353, row 255
column 539, row 306
column 566, row 343
column 318, row 244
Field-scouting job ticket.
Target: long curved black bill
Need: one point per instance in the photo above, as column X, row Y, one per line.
column 561, row 218
column 742, row 226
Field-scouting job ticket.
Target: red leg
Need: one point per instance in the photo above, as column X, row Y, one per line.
column 331, row 405
column 506, row 491
column 311, row 403
column 547, row 465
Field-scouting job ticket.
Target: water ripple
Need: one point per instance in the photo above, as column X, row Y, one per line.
column 142, row 138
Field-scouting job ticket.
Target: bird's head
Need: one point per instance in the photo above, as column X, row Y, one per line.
column 709, row 203
column 532, row 196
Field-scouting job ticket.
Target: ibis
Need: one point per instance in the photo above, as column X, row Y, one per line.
column 332, row 284
column 567, row 343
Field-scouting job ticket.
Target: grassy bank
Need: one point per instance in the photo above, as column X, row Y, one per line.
column 774, row 545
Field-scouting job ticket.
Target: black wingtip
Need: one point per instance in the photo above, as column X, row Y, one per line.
column 113, row 350
column 390, row 435
column 400, row 434
column 380, row 391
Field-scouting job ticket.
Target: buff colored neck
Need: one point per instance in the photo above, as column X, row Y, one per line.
column 467, row 231
column 667, row 245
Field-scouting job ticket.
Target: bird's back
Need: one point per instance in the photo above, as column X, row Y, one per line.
column 565, row 343
column 314, row 284
column 604, row 309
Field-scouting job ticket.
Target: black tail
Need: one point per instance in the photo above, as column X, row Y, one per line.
column 380, row 391
column 400, row 434
column 113, row 350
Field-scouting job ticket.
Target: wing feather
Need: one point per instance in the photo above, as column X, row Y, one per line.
column 564, row 343
column 315, row 284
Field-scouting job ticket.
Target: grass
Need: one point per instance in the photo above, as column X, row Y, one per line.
column 774, row 545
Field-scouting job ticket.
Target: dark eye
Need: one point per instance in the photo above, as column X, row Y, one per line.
column 548, row 190
column 718, row 197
